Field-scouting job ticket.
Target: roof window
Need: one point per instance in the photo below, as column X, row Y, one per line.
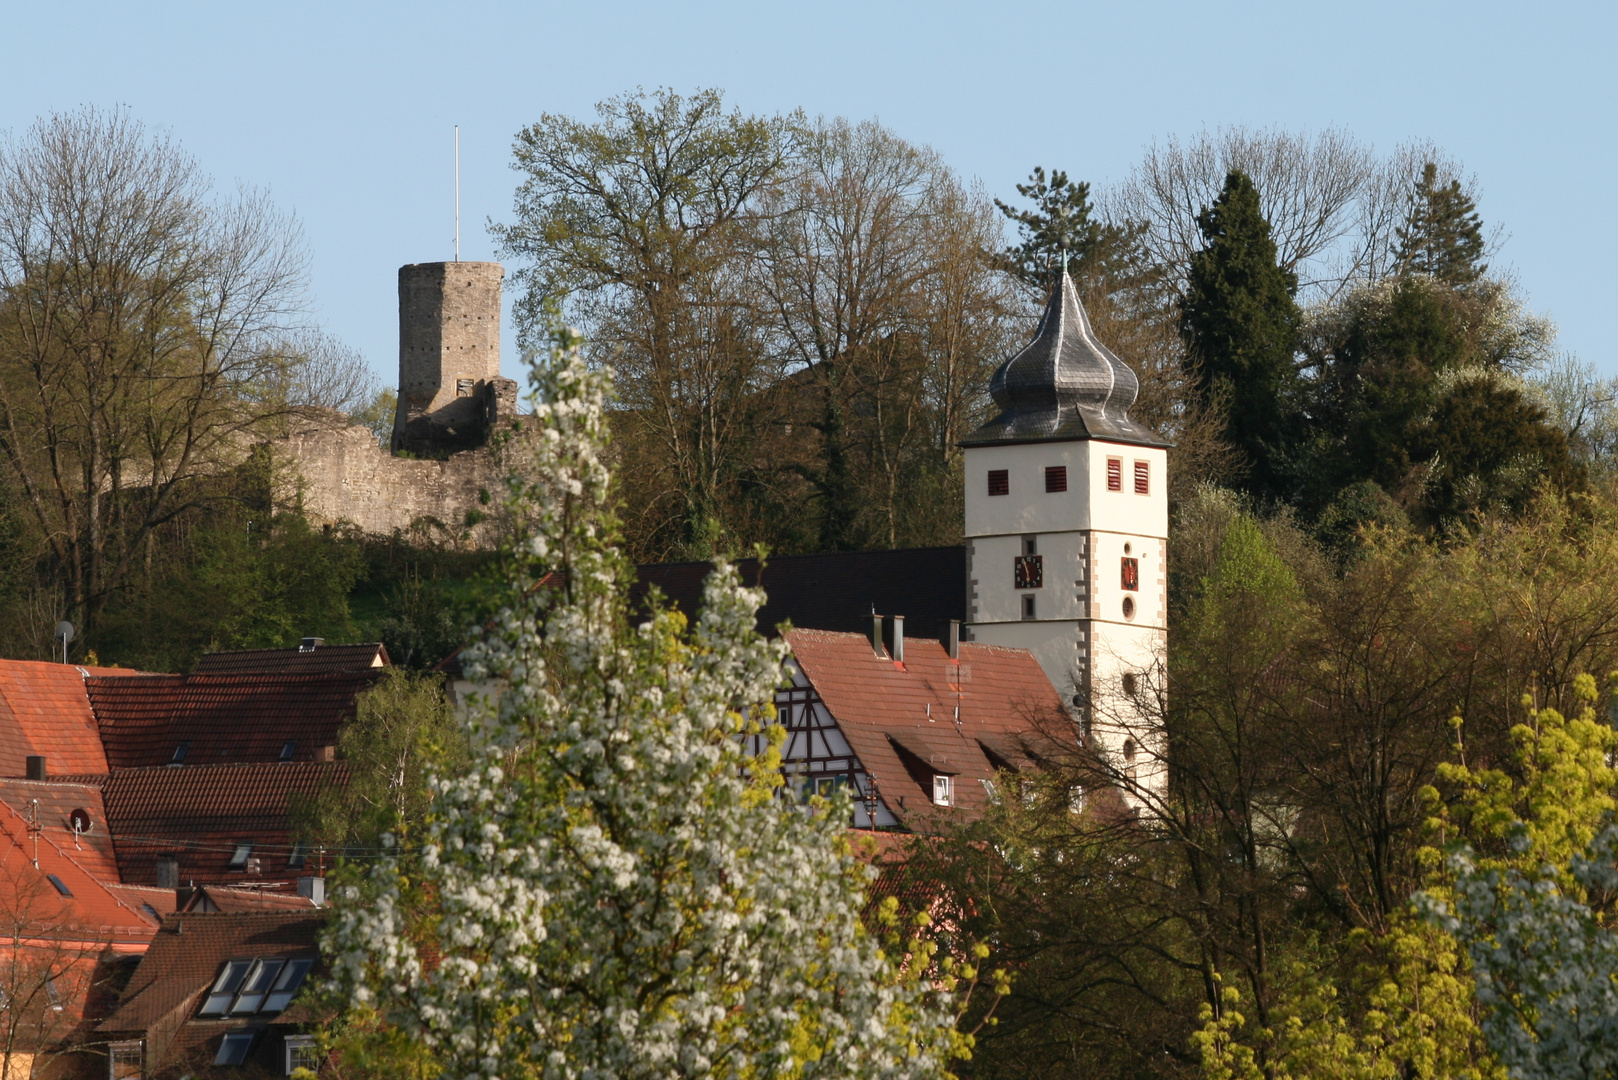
column 233, row 1048
column 288, row 748
column 179, row 754
column 150, row 910
column 265, row 985
column 61, row 887
column 239, row 857
column 943, row 790
column 298, row 855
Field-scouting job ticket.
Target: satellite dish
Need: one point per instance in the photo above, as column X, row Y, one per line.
column 80, row 819
column 64, row 631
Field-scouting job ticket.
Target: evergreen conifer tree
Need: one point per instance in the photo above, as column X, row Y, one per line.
column 1442, row 235
column 1241, row 326
column 1060, row 221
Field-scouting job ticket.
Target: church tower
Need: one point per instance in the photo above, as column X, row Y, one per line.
column 1067, row 534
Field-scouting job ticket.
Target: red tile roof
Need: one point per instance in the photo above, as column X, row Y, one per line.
column 44, row 710
column 223, row 718
column 57, row 800
column 31, row 905
column 902, row 721
column 321, row 659
column 198, row 814
column 210, row 898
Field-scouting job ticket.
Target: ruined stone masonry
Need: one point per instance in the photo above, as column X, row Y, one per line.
column 451, row 400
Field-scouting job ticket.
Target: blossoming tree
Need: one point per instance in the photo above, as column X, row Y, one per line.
column 613, row 888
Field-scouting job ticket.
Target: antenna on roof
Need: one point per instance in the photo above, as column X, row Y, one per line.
column 64, row 634
column 34, row 827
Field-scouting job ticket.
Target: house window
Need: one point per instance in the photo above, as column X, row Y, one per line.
column 943, row 790
column 302, row 1053
column 999, row 482
column 1115, row 474
column 288, row 748
column 1129, row 607
column 233, row 1048
column 1028, row 607
column 239, row 857
column 825, row 785
column 1130, row 683
column 298, row 856
column 53, row 995
column 1130, row 576
column 463, row 387
column 124, row 1061
column 1143, row 478
column 255, row 986
column 1129, row 760
column 179, row 754
column 1056, row 478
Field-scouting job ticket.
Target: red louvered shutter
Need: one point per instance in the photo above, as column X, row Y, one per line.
column 1143, row 478
column 1115, row 474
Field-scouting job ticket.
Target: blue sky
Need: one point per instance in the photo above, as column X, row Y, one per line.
column 344, row 111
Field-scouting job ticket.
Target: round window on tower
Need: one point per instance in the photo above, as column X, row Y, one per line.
column 1126, row 547
column 1129, row 607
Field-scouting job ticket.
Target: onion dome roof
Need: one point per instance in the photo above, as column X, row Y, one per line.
column 1063, row 385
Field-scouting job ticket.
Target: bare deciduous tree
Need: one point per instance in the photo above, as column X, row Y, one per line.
column 139, row 323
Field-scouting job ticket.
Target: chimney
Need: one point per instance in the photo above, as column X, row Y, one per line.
column 876, row 634
column 310, row 644
column 313, row 887
column 36, row 766
column 953, row 644
column 898, row 639
column 327, row 753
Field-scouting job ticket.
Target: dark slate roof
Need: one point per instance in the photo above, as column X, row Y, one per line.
column 224, row 718
column 1063, row 385
column 320, row 659
column 199, row 813
column 835, row 592
column 182, row 963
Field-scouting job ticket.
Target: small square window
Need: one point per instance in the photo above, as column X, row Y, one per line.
column 999, row 482
column 943, row 790
column 1143, row 478
column 1056, row 478
column 239, row 857
column 124, row 1061
column 302, row 1053
column 233, row 1048
column 1115, row 474
column 1028, row 607
column 463, row 387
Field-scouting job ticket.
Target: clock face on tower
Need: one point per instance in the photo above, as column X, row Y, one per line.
column 1131, row 575
column 1030, row 571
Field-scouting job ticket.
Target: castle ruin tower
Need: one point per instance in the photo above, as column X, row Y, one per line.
column 450, row 390
column 1067, row 536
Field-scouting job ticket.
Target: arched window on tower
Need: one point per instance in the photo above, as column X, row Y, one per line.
column 1129, row 760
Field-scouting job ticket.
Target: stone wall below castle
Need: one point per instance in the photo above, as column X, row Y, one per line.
column 342, row 476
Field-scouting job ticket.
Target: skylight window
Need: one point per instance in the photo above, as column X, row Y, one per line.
column 239, row 857
column 288, row 748
column 265, row 985
column 233, row 1048
column 179, row 754
column 61, row 886
column 299, row 853
column 150, row 910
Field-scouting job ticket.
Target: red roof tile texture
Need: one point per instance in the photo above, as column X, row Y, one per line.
column 200, row 814
column 44, row 710
column 901, row 720
column 223, row 718
column 57, row 802
column 320, row 660
column 82, row 909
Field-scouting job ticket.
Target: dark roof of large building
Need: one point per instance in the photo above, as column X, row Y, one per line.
column 992, row 709
column 834, row 592
column 1063, row 385
column 223, row 718
column 295, row 661
column 188, row 951
column 200, row 814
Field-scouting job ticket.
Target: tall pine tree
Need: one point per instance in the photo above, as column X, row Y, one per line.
column 1098, row 253
column 1241, row 327
column 1442, row 235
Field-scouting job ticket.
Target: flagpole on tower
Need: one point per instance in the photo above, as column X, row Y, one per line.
column 457, row 193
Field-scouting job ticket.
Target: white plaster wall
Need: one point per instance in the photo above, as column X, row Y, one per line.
column 1140, row 651
column 1086, row 504
column 992, row 595
column 1151, row 555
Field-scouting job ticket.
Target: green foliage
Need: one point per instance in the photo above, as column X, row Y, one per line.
column 378, row 414
column 1058, row 224
column 1241, row 329
column 1442, row 235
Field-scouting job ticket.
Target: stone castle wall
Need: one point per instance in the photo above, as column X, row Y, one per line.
column 342, row 476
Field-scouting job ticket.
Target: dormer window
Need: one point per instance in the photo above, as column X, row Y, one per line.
column 943, row 790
